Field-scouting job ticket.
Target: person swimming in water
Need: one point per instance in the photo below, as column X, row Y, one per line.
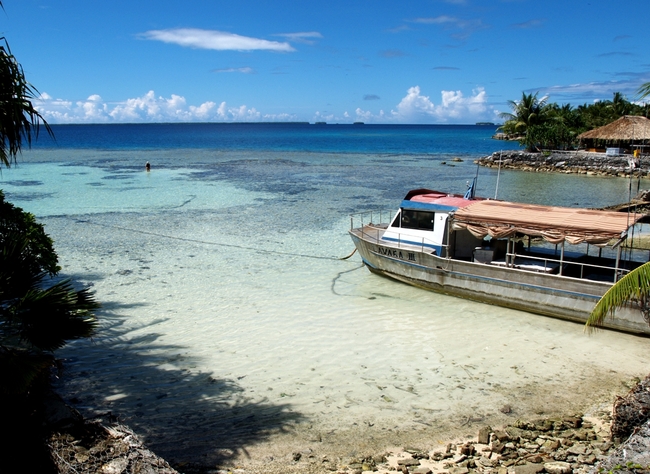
column 147, row 166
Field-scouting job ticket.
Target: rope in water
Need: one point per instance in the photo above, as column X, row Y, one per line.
column 206, row 242
column 353, row 252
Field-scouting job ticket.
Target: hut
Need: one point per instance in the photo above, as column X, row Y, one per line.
column 630, row 132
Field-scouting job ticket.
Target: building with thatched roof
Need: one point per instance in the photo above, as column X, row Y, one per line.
column 627, row 133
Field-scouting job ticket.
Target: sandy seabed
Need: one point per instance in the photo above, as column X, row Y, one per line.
column 292, row 354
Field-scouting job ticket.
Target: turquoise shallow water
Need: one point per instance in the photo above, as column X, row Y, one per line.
column 230, row 325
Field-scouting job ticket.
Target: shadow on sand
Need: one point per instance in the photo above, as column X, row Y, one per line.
column 187, row 416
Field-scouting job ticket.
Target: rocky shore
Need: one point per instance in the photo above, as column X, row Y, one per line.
column 576, row 444
column 566, row 445
column 578, row 162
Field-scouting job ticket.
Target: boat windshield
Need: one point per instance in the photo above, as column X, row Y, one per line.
column 421, row 220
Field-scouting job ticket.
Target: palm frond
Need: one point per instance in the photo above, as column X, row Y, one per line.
column 19, row 119
column 644, row 91
column 51, row 316
column 635, row 284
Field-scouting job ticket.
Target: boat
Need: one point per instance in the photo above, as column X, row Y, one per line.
column 549, row 260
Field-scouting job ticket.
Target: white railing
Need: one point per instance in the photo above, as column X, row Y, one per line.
column 518, row 259
column 361, row 219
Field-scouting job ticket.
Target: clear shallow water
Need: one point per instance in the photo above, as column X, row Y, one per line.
column 230, row 324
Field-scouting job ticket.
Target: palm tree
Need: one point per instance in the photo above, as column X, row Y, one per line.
column 526, row 113
column 37, row 315
column 619, row 106
column 19, row 120
column 634, row 285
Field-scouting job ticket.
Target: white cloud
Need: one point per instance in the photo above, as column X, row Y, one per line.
column 417, row 108
column 368, row 117
column 302, row 37
column 148, row 108
column 414, row 107
column 237, row 114
column 465, row 27
column 213, row 39
column 585, row 92
column 243, row 70
column 325, row 117
column 438, row 20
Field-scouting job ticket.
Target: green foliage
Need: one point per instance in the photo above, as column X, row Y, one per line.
column 627, row 467
column 529, row 111
column 551, row 135
column 38, row 314
column 19, row 120
column 634, row 285
column 15, row 224
column 539, row 125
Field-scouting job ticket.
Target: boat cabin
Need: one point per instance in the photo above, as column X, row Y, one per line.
column 581, row 243
column 422, row 220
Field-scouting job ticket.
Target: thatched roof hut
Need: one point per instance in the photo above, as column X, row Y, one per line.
column 628, row 130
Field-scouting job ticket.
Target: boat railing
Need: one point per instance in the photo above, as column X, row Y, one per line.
column 411, row 242
column 377, row 218
column 553, row 265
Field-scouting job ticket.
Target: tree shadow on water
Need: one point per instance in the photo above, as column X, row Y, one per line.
column 185, row 415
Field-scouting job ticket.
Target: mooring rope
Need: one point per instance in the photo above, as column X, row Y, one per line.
column 353, row 252
column 206, row 242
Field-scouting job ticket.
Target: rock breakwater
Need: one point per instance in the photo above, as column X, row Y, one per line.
column 578, row 162
column 564, row 445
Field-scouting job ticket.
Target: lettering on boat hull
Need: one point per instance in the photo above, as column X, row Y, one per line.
column 396, row 253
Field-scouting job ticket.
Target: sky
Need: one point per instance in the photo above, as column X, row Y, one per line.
column 374, row 61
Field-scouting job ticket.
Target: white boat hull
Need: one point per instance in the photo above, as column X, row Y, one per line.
column 558, row 296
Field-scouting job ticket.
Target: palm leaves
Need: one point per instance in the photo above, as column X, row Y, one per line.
column 634, row 285
column 36, row 323
column 43, row 318
column 527, row 112
column 19, row 120
column 38, row 314
column 644, row 91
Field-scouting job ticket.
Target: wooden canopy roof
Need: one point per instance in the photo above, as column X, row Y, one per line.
column 627, row 128
column 555, row 224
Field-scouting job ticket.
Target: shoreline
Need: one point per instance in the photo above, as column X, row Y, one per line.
column 310, row 447
column 566, row 162
column 566, row 442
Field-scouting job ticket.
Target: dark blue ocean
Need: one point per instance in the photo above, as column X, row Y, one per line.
column 233, row 333
column 296, row 137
